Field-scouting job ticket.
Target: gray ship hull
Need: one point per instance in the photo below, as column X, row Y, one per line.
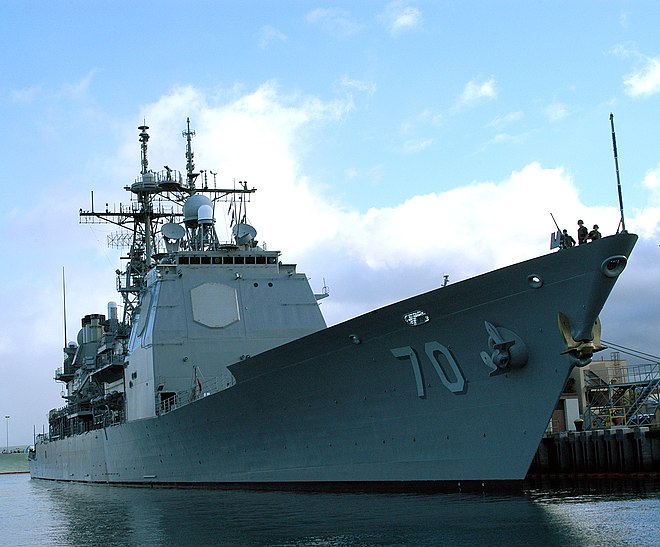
column 376, row 400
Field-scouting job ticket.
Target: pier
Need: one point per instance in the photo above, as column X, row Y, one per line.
column 608, row 452
column 606, row 423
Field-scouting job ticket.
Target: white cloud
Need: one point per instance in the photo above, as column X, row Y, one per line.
column 370, row 175
column 7, row 347
column 648, row 220
column 270, row 34
column 501, row 138
column 645, row 81
column 358, row 85
column 506, row 119
column 475, row 92
column 335, row 21
column 69, row 90
column 556, row 112
column 77, row 90
column 26, row 94
column 424, row 118
column 646, row 223
column 400, row 16
column 253, row 138
column 652, row 179
column 413, row 146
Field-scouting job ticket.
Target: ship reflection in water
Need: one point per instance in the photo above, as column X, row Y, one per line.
column 78, row 514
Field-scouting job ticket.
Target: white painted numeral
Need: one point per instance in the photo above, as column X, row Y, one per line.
column 407, row 351
column 454, row 382
column 458, row 383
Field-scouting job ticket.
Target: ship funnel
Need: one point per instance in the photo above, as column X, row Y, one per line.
column 92, row 329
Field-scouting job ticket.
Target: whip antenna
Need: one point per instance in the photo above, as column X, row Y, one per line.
column 618, row 180
column 64, row 304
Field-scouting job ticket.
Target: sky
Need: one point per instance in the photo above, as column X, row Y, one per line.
column 391, row 144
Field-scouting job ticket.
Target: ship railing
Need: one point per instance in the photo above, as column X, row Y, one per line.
column 201, row 389
column 632, row 374
column 605, row 417
column 631, row 397
column 108, row 417
column 163, row 177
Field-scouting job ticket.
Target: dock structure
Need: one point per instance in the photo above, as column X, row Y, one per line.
column 615, row 393
column 604, row 452
column 606, row 422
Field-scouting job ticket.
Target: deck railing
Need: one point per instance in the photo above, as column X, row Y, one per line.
column 204, row 388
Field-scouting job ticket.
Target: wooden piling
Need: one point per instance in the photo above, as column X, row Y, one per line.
column 613, row 451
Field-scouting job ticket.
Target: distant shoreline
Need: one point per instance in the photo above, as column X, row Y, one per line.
column 13, row 462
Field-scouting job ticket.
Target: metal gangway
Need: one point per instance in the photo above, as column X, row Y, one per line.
column 627, row 395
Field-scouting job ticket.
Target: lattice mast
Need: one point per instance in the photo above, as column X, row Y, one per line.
column 158, row 197
column 191, row 176
column 140, row 219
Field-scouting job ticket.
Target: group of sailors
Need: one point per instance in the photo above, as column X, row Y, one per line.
column 583, row 234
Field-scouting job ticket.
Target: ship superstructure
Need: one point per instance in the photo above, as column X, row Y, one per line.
column 221, row 370
column 188, row 303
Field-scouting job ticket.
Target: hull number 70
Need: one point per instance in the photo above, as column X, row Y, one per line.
column 443, row 362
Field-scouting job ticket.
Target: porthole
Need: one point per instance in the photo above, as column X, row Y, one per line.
column 535, row 281
column 354, row 338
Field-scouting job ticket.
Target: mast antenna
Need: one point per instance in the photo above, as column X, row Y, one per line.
column 188, row 134
column 144, row 139
column 622, row 222
column 64, row 304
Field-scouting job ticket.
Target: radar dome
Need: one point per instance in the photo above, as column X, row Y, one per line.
column 205, row 214
column 191, row 207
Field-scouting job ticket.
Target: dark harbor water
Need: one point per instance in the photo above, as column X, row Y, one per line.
column 48, row 513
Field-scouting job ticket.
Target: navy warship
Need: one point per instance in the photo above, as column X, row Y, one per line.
column 220, row 370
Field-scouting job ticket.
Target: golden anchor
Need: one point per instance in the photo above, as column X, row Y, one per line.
column 583, row 350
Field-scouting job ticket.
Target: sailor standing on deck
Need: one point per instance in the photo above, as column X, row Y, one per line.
column 582, row 233
column 566, row 240
column 594, row 234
